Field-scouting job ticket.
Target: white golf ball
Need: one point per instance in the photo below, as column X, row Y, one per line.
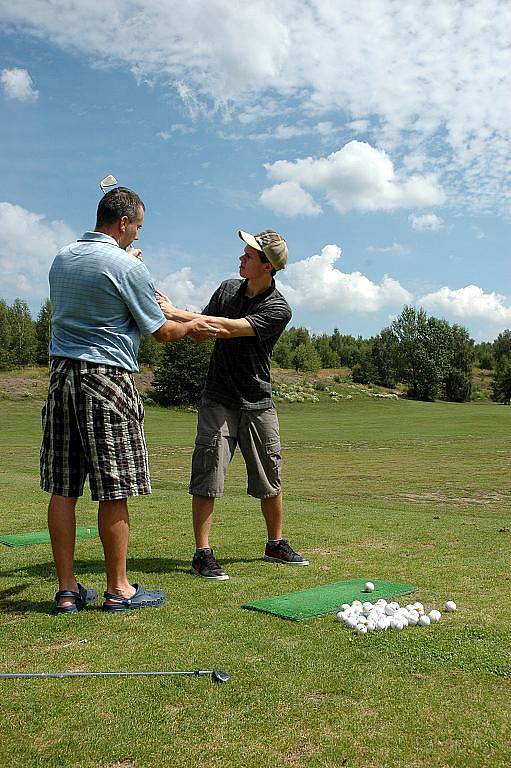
column 434, row 615
column 345, row 607
column 450, row 606
column 381, row 624
column 396, row 625
column 361, row 629
column 339, row 615
column 381, row 601
column 419, row 608
column 413, row 618
column 367, row 608
column 424, row 621
column 351, row 623
column 371, row 625
column 369, row 586
column 389, row 610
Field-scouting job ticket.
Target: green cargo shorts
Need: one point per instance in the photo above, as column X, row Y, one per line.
column 219, row 431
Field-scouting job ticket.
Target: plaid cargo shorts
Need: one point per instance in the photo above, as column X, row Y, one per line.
column 93, row 425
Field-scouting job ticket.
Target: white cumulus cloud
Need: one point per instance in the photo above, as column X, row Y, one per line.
column 17, row 84
column 318, row 284
column 28, row 245
column 289, row 199
column 183, row 292
column 425, row 221
column 361, row 177
column 469, row 303
column 423, row 77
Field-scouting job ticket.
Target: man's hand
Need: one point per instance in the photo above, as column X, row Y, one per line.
column 201, row 329
column 165, row 303
column 136, row 252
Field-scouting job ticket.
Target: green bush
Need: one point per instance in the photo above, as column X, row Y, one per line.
column 180, row 376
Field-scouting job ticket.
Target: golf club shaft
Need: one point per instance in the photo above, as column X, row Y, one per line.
column 196, row 673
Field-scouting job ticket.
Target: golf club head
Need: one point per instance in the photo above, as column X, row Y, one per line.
column 108, row 181
column 218, row 676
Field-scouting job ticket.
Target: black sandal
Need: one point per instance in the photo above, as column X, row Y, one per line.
column 82, row 597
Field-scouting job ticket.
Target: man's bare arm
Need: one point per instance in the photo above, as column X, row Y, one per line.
column 171, row 330
column 227, row 328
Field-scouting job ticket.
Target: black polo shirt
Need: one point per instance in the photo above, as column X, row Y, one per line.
column 239, row 370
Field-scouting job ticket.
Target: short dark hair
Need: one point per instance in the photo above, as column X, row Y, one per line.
column 267, row 261
column 117, row 203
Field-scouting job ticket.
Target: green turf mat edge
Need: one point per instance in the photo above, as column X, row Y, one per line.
column 40, row 537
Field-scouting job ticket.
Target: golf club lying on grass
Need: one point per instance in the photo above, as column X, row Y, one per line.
column 108, row 181
column 217, row 675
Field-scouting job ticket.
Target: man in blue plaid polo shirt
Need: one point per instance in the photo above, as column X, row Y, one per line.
column 102, row 301
column 237, row 407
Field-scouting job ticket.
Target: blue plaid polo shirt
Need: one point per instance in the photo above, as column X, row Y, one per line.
column 102, row 301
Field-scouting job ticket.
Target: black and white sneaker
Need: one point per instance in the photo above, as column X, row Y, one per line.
column 205, row 564
column 282, row 552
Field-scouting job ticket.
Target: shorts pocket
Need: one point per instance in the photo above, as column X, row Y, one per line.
column 205, row 455
column 274, row 458
column 115, row 393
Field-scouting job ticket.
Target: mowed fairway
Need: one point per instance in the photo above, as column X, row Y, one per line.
column 403, row 491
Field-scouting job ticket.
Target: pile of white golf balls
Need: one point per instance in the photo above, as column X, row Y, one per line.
column 381, row 615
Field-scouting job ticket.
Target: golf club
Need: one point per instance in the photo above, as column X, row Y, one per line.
column 217, row 675
column 108, row 181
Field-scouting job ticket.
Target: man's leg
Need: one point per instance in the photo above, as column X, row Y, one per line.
column 259, row 442
column 62, row 528
column 204, row 562
column 273, row 514
column 114, row 526
column 202, row 514
column 214, row 447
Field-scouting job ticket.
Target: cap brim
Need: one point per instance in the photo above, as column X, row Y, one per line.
column 249, row 240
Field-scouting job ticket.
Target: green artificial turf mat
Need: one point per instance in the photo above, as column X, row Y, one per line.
column 319, row 601
column 39, row 537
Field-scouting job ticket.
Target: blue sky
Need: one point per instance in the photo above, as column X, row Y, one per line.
column 375, row 136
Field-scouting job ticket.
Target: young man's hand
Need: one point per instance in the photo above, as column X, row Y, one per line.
column 136, row 252
column 165, row 303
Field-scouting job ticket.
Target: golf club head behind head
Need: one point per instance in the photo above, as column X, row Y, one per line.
column 218, row 676
column 108, row 181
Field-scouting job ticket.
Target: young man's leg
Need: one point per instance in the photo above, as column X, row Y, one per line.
column 259, row 441
column 204, row 562
column 202, row 515
column 214, row 447
column 272, row 510
column 62, row 528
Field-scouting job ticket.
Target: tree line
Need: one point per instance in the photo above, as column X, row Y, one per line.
column 431, row 357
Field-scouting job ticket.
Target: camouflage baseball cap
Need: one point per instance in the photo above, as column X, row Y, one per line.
column 271, row 244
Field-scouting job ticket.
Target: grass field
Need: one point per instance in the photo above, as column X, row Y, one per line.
column 404, row 491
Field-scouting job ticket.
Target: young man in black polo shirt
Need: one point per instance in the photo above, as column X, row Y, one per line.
column 237, row 406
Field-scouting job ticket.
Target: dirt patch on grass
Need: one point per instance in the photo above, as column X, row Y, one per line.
column 33, row 383
column 20, row 387
column 301, row 753
column 478, row 497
